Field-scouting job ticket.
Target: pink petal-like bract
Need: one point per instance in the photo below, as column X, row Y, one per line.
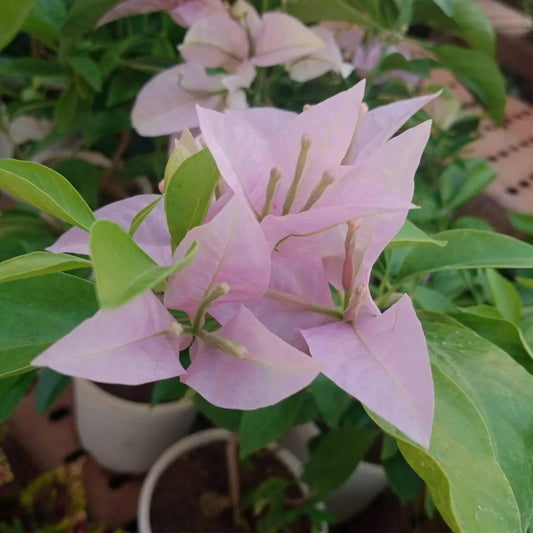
column 130, row 345
column 271, row 371
column 383, row 362
column 319, row 62
column 167, row 103
column 215, row 41
column 152, row 235
column 231, row 249
column 393, row 168
column 283, row 38
column 381, row 123
column 189, row 12
column 137, row 7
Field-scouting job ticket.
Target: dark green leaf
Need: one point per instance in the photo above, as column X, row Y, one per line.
column 330, row 398
column 168, row 390
column 260, row 427
column 45, row 19
column 13, row 13
column 38, row 311
column 318, row 11
column 88, row 71
column 336, row 456
column 229, row 419
column 12, row 390
column 50, row 385
column 32, row 66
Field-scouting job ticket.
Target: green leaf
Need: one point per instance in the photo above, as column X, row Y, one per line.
column 462, row 180
column 467, row 248
column 12, row 390
column 431, row 300
column 336, row 456
column 39, row 264
column 13, row 13
column 525, row 282
column 122, row 270
column 229, row 419
column 84, row 176
column 410, row 234
column 332, row 401
column 501, row 332
column 447, row 6
column 168, row 390
column 260, row 427
column 32, row 66
column 45, row 19
column 505, row 297
column 403, row 480
column 479, row 73
column 83, row 16
column 460, row 18
column 50, row 385
column 188, row 195
column 317, row 11
column 45, row 189
column 88, row 71
column 140, row 217
column 38, row 311
column 521, row 221
column 479, row 466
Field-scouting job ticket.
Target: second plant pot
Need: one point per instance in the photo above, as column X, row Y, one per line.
column 187, row 490
column 127, row 436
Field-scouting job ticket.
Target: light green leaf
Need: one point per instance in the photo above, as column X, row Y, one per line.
column 461, row 18
column 260, row 427
column 122, row 270
column 479, row 467
column 39, row 264
column 12, row 15
column 505, row 296
column 479, row 72
column 36, row 312
column 526, row 282
column 336, row 456
column 431, row 300
column 462, row 180
column 467, row 248
column 501, row 332
column 188, row 195
column 412, row 235
column 46, row 189
column 521, row 221
column 140, row 217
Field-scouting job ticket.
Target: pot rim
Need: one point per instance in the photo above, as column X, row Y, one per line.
column 192, row 441
column 115, row 402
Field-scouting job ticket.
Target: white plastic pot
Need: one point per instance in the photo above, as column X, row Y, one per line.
column 196, row 440
column 126, row 436
column 357, row 492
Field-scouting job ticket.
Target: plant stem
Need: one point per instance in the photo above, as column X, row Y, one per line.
column 232, row 461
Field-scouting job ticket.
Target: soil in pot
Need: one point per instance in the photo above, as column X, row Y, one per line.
column 132, row 393
column 192, row 495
